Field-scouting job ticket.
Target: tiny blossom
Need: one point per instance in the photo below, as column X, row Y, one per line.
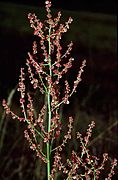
column 57, row 19
column 57, row 165
column 79, row 76
column 21, row 87
column 34, row 47
column 89, row 132
column 68, row 50
column 67, row 136
column 67, row 66
column 48, row 5
column 112, row 172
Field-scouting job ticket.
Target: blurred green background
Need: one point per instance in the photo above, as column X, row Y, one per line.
column 94, row 37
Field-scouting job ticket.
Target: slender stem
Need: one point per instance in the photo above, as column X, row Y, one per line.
column 48, row 143
column 50, row 71
column 48, row 162
column 42, row 83
column 49, row 108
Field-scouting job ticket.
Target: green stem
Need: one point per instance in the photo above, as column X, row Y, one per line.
column 48, row 163
column 48, row 143
column 49, row 109
column 43, row 83
column 94, row 175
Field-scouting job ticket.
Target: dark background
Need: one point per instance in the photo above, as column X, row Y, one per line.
column 106, row 6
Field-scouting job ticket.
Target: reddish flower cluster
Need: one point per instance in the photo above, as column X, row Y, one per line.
column 46, row 126
column 82, row 165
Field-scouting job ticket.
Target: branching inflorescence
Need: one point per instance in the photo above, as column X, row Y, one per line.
column 45, row 74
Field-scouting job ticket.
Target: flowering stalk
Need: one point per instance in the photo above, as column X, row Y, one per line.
column 49, row 107
column 45, row 74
